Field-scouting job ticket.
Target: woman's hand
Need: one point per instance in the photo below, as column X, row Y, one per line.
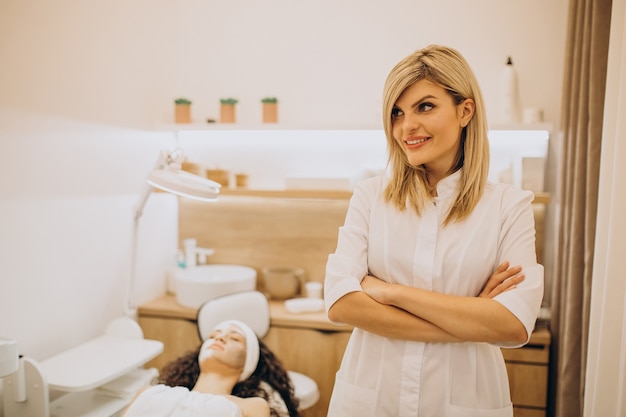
column 375, row 288
column 503, row 279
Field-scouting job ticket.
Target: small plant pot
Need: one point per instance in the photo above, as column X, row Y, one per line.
column 228, row 113
column 270, row 112
column 241, row 180
column 182, row 113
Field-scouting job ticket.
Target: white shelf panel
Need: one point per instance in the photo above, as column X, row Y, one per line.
column 97, row 362
column 87, row 404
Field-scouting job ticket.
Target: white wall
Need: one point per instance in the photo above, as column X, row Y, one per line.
column 123, row 62
column 67, row 194
column 77, row 78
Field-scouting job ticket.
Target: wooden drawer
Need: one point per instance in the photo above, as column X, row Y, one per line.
column 529, row 384
column 178, row 336
column 528, row 412
column 531, row 353
column 314, row 353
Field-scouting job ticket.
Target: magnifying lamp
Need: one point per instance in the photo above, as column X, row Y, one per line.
column 167, row 176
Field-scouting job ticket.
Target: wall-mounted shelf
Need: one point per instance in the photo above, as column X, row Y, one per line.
column 544, row 126
column 273, row 153
column 198, row 126
column 190, row 127
column 540, row 198
column 305, row 194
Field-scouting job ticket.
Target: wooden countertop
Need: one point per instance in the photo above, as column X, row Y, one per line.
column 167, row 307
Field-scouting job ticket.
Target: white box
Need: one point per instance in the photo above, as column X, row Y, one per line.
column 533, row 174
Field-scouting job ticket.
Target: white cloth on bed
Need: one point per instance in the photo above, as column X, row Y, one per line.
column 164, row 401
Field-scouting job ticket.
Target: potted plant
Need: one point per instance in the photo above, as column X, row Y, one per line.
column 182, row 110
column 270, row 109
column 227, row 110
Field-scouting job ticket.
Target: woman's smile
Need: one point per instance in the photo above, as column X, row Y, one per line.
column 416, row 141
column 428, row 124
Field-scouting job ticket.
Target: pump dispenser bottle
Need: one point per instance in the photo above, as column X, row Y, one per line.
column 510, row 105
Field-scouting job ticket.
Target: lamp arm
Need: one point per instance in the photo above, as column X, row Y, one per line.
column 147, row 190
column 171, row 159
column 164, row 159
column 130, row 308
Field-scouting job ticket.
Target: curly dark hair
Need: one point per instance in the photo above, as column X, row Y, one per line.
column 185, row 370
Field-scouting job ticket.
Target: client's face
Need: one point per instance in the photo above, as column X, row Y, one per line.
column 225, row 344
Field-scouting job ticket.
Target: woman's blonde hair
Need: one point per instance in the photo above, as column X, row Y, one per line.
column 408, row 185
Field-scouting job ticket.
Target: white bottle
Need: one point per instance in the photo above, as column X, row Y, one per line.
column 510, row 105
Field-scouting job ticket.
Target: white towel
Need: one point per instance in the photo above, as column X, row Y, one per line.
column 164, row 401
column 128, row 384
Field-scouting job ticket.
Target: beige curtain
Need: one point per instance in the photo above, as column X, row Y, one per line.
column 583, row 108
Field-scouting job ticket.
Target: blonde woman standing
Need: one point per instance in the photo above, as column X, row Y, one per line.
column 421, row 268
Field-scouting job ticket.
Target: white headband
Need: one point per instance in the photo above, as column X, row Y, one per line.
column 252, row 346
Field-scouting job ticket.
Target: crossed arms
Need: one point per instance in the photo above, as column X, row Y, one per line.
column 409, row 313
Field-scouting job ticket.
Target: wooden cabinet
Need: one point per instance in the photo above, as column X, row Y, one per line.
column 165, row 320
column 310, row 344
column 315, row 353
column 179, row 336
column 528, row 369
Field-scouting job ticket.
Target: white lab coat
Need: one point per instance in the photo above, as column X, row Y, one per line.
column 388, row 377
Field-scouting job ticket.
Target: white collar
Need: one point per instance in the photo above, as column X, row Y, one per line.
column 448, row 186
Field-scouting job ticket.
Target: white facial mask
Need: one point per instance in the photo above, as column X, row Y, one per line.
column 205, row 352
column 252, row 347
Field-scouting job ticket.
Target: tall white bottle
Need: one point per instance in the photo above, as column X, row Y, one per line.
column 510, row 107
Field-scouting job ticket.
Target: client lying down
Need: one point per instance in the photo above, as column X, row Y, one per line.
column 233, row 374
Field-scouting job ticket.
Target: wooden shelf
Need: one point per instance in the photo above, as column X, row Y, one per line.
column 196, row 126
column 547, row 126
column 167, row 307
column 540, row 198
column 310, row 194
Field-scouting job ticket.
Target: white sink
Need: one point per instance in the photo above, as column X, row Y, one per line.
column 196, row 285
